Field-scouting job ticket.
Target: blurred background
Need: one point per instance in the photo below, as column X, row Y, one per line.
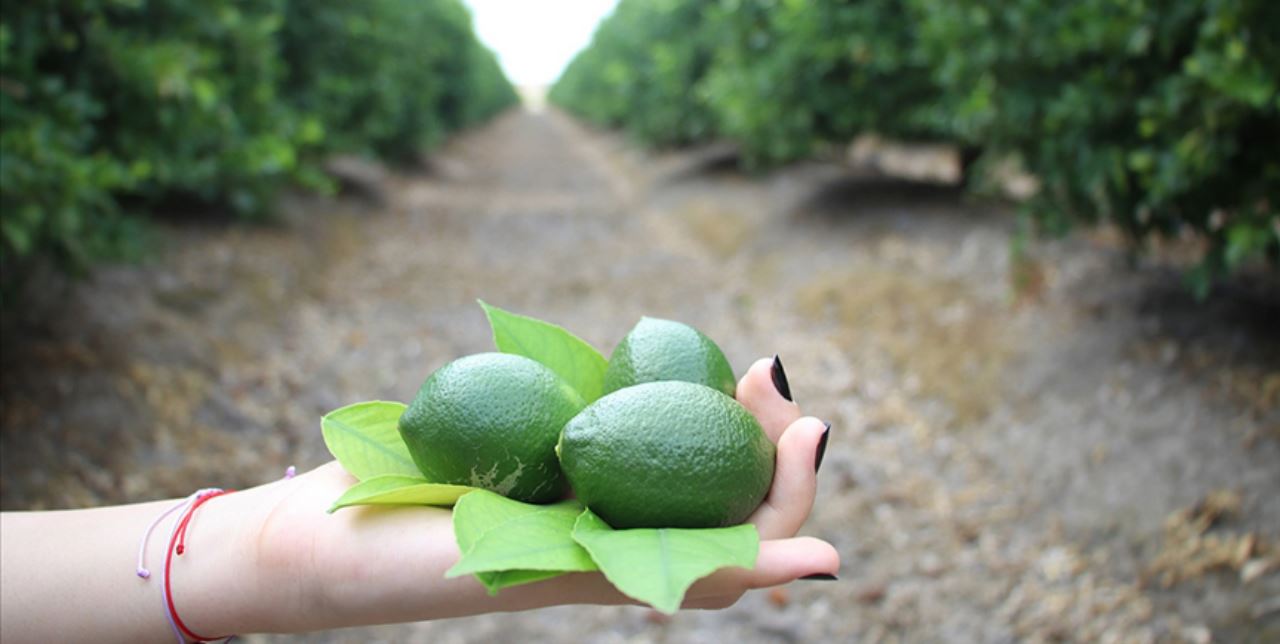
column 1022, row 254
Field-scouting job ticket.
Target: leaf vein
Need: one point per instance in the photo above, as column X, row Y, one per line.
column 352, row 431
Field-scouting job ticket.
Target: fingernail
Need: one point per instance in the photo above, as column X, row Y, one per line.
column 780, row 378
column 821, row 576
column 822, row 447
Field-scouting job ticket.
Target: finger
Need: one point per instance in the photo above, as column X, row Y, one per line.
column 761, row 392
column 795, row 480
column 780, row 561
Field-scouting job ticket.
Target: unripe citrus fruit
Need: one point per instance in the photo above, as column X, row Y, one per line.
column 657, row 350
column 491, row 420
column 667, row 455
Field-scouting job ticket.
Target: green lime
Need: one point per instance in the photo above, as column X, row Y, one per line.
column 491, row 420
column 667, row 455
column 657, row 350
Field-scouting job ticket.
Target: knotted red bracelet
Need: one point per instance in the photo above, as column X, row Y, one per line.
column 177, row 546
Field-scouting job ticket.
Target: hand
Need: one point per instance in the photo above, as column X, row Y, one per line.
column 382, row 565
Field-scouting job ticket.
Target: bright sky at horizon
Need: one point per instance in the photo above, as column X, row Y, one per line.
column 534, row 41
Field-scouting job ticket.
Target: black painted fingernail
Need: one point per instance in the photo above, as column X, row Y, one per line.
column 780, row 378
column 822, row 447
column 821, row 576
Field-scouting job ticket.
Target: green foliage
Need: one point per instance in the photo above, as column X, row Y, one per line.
column 507, row 543
column 657, row 565
column 640, row 70
column 365, row 439
column 498, row 535
column 1162, row 117
column 778, row 77
column 108, row 107
column 790, row 76
column 389, row 77
column 397, row 489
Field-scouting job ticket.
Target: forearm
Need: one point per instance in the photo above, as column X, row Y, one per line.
column 71, row 575
column 263, row 559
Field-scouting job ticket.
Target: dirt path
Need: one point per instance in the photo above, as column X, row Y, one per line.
column 1002, row 468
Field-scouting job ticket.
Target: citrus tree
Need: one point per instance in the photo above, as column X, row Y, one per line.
column 640, row 73
column 1157, row 116
column 1160, row 117
column 109, row 107
column 789, row 77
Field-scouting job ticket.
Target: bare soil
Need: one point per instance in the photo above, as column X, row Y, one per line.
column 1057, row 449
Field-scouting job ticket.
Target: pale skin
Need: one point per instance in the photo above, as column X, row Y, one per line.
column 270, row 559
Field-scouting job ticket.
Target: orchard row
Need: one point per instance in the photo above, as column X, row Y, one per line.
column 1160, row 116
column 110, row 107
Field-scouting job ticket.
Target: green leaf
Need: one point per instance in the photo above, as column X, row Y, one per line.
column 657, row 566
column 365, row 440
column 506, row 543
column 577, row 362
column 394, row 489
column 495, row 581
column 1245, row 240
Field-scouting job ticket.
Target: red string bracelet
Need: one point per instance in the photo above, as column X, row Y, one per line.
column 177, row 545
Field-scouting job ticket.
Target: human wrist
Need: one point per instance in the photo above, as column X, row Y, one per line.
column 215, row 584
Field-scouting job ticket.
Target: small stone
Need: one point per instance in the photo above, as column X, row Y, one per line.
column 1060, row 563
column 1245, row 549
column 1255, row 568
column 871, row 594
column 1197, row 634
column 655, row 617
column 931, row 565
column 1265, row 608
column 779, row 597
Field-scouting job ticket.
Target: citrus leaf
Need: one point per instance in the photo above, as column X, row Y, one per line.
column 575, row 361
column 365, row 440
column 541, row 540
column 495, row 581
column 657, row 566
column 394, row 489
column 506, row 543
